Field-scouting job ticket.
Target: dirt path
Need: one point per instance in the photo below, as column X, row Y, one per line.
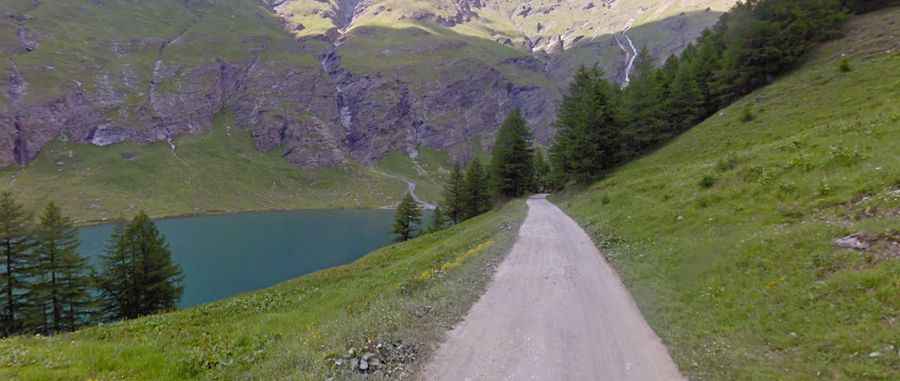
column 555, row 310
column 411, row 188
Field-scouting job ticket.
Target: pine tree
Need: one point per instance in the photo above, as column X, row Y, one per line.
column 15, row 243
column 643, row 101
column 685, row 103
column 541, row 172
column 117, row 283
column 407, row 218
column 76, row 280
column 453, row 195
column 139, row 277
column 476, row 198
column 438, row 220
column 58, row 294
column 511, row 163
column 588, row 124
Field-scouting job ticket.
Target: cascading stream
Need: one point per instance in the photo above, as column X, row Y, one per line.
column 630, row 51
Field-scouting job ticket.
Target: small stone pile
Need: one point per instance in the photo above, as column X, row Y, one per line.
column 390, row 358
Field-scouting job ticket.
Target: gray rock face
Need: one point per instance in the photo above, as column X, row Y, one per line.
column 295, row 97
column 316, row 118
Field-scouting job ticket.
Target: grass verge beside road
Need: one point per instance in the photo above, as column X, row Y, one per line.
column 407, row 294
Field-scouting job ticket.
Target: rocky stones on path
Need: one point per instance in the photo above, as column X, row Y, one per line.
column 389, row 358
column 853, row 241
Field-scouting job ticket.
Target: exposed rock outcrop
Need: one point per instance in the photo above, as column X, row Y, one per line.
column 296, row 97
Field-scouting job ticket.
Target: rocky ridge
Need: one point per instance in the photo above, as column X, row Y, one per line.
column 290, row 71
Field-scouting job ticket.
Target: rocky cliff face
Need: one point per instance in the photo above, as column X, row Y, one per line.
column 323, row 83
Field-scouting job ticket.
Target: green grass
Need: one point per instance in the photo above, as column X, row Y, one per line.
column 216, row 172
column 409, row 292
column 421, row 53
column 428, row 171
column 724, row 236
column 115, row 44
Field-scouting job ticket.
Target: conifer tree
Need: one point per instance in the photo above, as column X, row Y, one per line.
column 476, row 196
column 117, row 280
column 541, row 172
column 588, row 124
column 438, row 220
column 685, row 101
column 138, row 276
column 643, row 102
column 15, row 242
column 58, row 295
column 407, row 218
column 453, row 195
column 511, row 163
column 76, row 281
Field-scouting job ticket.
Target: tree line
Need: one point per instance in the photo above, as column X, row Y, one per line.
column 600, row 125
column 47, row 287
column 516, row 168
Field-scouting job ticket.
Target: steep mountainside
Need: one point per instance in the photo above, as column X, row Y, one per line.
column 769, row 249
column 321, row 82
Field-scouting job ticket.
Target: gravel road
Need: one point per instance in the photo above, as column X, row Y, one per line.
column 555, row 310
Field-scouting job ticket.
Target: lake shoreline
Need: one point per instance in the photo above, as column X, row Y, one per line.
column 215, row 251
column 209, row 213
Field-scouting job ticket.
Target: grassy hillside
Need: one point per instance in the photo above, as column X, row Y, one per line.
column 217, row 172
column 428, row 170
column 403, row 293
column 725, row 236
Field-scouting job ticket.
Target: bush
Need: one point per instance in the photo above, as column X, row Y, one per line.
column 747, row 114
column 844, row 66
column 707, row 181
column 605, row 199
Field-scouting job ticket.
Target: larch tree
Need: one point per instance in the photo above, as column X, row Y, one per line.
column 511, row 165
column 476, row 190
column 15, row 243
column 58, row 294
column 138, row 276
column 438, row 220
column 542, row 174
column 587, row 127
column 407, row 218
column 453, row 195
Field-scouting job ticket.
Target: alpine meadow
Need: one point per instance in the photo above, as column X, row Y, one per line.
column 629, row 190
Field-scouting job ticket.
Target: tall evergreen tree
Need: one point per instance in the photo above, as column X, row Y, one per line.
column 76, row 282
column 117, row 280
column 138, row 276
column 476, row 194
column 15, row 242
column 643, row 107
column 511, row 163
column 407, row 218
column 453, row 195
column 541, row 172
column 685, row 104
column 438, row 220
column 588, row 124
column 58, row 295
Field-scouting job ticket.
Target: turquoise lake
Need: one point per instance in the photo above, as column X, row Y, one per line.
column 229, row 254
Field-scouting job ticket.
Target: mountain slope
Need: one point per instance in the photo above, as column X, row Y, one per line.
column 727, row 235
column 333, row 84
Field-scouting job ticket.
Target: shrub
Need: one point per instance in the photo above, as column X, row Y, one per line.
column 844, row 66
column 707, row 182
column 747, row 114
column 605, row 199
